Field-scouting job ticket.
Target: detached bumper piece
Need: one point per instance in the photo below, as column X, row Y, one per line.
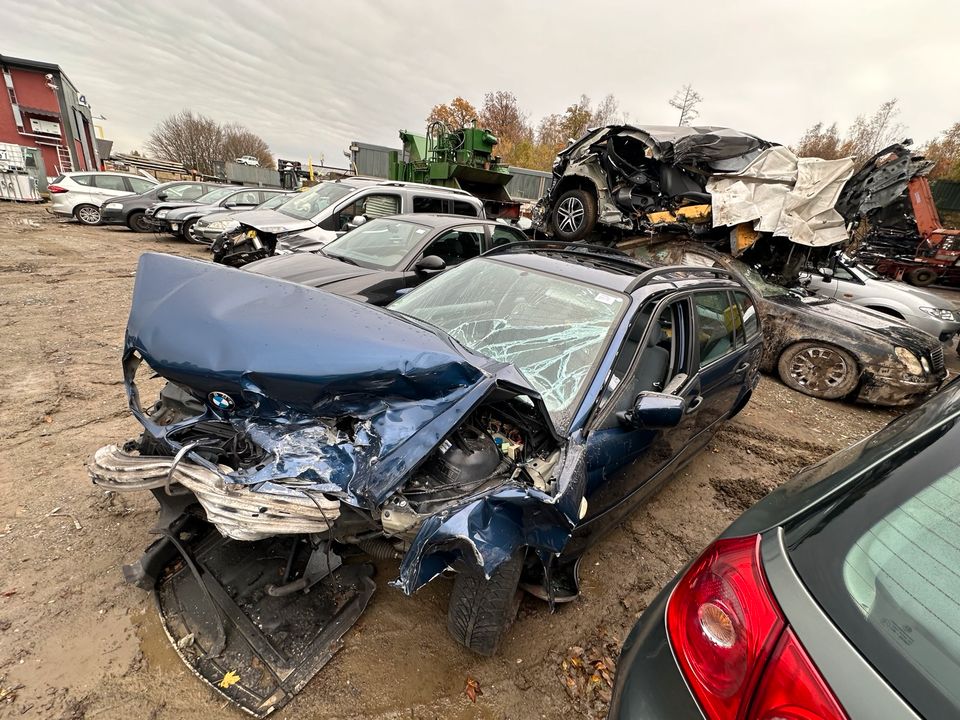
column 253, row 631
column 254, row 618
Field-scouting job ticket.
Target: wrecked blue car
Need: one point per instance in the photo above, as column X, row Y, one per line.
column 493, row 422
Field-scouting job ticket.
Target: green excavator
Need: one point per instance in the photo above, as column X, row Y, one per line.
column 462, row 158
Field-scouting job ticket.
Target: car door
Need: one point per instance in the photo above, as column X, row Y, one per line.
column 84, row 191
column 724, row 354
column 625, row 462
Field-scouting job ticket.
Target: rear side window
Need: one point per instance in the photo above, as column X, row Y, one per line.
column 717, row 321
column 110, row 182
column 86, row 180
column 884, row 562
column 748, row 313
column 502, row 235
column 464, row 208
column 427, row 204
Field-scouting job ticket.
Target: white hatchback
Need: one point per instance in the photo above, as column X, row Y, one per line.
column 80, row 194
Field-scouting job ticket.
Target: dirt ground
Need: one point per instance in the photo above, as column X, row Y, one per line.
column 77, row 643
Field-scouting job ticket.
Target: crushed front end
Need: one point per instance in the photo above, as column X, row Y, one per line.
column 295, row 435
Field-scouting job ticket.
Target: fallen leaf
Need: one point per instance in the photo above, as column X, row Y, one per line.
column 473, row 689
column 229, row 679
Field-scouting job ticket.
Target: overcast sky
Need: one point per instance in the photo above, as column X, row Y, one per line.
column 311, row 77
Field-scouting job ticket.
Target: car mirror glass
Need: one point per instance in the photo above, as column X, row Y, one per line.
column 826, row 273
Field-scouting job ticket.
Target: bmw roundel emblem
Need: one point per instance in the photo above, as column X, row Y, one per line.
column 221, row 401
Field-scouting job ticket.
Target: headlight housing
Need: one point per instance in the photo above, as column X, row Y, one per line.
column 219, row 224
column 910, row 361
column 114, row 206
column 162, row 213
column 939, row 313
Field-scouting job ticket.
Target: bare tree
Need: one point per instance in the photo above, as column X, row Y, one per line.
column 606, row 112
column 821, row 142
column 868, row 135
column 198, row 142
column 686, row 100
column 239, row 141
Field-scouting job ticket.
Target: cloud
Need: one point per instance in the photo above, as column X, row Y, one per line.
column 312, row 77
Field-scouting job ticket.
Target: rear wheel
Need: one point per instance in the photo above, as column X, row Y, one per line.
column 480, row 610
column 818, row 369
column 138, row 222
column 920, row 277
column 87, row 214
column 575, row 215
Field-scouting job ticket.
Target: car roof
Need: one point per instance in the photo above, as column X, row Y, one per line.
column 605, row 266
column 73, row 173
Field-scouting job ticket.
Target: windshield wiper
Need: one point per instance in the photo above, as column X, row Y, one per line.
column 341, row 258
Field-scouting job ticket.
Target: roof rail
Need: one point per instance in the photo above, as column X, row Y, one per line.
column 651, row 275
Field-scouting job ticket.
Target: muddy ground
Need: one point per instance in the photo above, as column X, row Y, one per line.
column 77, row 643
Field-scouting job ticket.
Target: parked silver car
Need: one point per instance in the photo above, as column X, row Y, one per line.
column 847, row 280
column 80, row 194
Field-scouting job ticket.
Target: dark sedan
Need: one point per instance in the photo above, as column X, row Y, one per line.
column 836, row 596
column 179, row 218
column 383, row 256
column 130, row 210
column 827, row 348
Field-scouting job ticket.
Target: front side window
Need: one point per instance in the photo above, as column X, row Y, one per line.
column 552, row 329
column 718, row 322
column 273, row 201
column 375, row 205
column 110, row 182
column 458, row 245
column 379, row 244
column 214, row 196
column 250, row 197
column 464, row 208
column 428, row 204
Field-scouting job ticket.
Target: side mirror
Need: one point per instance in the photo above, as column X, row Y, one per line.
column 430, row 265
column 161, row 196
column 654, row 411
column 826, row 273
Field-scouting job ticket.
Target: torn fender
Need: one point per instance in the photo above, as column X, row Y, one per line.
column 488, row 530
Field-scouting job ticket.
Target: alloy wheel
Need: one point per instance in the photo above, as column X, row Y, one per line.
column 88, row 215
column 570, row 214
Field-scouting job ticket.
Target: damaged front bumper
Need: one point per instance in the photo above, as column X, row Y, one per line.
column 892, row 387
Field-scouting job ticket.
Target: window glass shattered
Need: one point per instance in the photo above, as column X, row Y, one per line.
column 549, row 328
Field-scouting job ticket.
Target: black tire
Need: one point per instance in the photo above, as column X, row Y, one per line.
column 574, row 215
column 186, row 228
column 920, row 277
column 819, row 369
column 87, row 214
column 137, row 222
column 480, row 610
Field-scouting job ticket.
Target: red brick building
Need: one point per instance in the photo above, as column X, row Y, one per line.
column 41, row 108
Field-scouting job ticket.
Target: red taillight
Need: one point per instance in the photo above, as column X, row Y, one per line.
column 56, row 189
column 792, row 688
column 724, row 626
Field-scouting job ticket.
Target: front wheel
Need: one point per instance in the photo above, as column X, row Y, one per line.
column 820, row 370
column 480, row 610
column 138, row 223
column 574, row 215
column 87, row 214
column 187, row 231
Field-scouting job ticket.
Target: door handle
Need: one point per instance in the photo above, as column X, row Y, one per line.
column 694, row 404
column 742, row 366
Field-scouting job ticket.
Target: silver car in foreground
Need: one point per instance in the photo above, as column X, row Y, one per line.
column 857, row 284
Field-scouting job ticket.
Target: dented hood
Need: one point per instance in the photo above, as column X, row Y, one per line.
column 292, row 357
